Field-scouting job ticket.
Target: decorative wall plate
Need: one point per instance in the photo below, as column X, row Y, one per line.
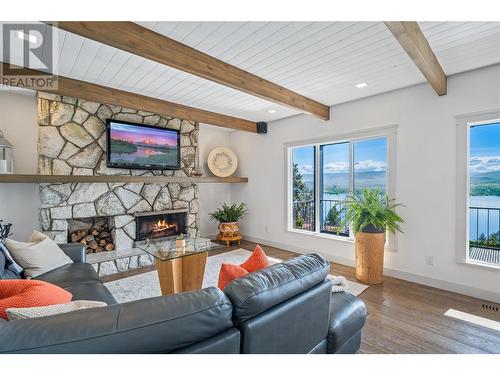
column 222, row 162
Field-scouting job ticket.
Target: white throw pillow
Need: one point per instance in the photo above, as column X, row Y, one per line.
column 38, row 256
column 14, row 313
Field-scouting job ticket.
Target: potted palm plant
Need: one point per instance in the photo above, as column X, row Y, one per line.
column 228, row 217
column 371, row 214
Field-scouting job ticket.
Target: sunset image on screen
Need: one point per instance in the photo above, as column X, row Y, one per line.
column 142, row 147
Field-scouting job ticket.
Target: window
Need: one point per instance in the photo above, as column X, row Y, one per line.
column 484, row 193
column 303, row 187
column 321, row 175
column 335, row 185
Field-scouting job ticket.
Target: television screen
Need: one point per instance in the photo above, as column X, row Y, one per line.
column 141, row 146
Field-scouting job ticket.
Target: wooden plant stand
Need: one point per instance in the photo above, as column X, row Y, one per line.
column 228, row 240
column 370, row 257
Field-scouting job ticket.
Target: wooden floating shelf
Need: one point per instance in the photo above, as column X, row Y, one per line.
column 35, row 178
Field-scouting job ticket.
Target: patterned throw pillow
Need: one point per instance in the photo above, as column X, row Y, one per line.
column 37, row 256
column 37, row 312
column 10, row 263
column 30, row 293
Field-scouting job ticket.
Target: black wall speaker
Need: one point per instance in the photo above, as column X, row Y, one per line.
column 262, row 127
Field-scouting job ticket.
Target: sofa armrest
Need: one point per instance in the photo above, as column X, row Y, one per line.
column 75, row 251
column 347, row 318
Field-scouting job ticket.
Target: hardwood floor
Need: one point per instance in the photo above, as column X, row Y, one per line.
column 404, row 317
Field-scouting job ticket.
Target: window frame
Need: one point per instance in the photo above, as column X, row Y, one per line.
column 315, row 178
column 388, row 132
column 464, row 124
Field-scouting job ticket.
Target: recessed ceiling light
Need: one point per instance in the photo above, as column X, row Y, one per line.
column 30, row 38
column 361, row 85
column 272, row 111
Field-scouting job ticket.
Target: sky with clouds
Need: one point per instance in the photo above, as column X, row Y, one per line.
column 485, row 148
column 369, row 156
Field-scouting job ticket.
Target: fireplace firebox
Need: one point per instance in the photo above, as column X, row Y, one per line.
column 160, row 224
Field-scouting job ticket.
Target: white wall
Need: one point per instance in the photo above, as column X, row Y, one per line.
column 211, row 195
column 425, row 178
column 19, row 203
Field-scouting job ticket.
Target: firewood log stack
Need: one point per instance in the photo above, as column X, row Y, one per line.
column 94, row 239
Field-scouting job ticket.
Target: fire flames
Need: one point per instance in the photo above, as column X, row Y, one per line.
column 162, row 225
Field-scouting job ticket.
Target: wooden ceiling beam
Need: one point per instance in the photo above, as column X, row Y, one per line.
column 413, row 41
column 107, row 95
column 141, row 41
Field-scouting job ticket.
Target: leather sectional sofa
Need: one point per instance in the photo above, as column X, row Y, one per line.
column 285, row 308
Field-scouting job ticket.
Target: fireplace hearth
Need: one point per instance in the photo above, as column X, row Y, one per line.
column 160, row 224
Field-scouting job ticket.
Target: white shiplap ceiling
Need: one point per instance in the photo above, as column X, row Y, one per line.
column 321, row 60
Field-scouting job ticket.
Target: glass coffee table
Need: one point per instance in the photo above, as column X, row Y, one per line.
column 180, row 269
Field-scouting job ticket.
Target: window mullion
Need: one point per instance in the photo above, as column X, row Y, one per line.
column 351, row 177
column 351, row 167
column 318, row 182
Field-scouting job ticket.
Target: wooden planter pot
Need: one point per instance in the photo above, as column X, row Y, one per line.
column 229, row 232
column 370, row 257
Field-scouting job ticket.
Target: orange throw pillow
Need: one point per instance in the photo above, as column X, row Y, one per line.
column 257, row 261
column 228, row 273
column 30, row 293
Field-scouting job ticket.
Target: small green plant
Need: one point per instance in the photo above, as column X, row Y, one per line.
column 180, row 237
column 299, row 222
column 372, row 210
column 229, row 213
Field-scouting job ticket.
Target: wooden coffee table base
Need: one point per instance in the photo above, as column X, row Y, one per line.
column 181, row 274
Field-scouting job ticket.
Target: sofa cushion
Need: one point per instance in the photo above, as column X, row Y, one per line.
column 91, row 291
column 261, row 290
column 71, row 274
column 294, row 326
column 347, row 317
column 155, row 325
column 76, row 251
column 30, row 293
column 81, row 280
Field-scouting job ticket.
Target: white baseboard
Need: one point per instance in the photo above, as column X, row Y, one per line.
column 398, row 274
column 473, row 319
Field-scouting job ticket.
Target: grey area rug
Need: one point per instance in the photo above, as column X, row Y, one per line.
column 146, row 285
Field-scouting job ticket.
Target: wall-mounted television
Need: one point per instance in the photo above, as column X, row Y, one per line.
column 138, row 146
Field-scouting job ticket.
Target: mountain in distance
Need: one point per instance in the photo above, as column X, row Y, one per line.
column 487, row 183
column 341, row 180
column 481, row 184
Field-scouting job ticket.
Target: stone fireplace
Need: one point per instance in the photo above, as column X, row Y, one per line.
column 72, row 141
